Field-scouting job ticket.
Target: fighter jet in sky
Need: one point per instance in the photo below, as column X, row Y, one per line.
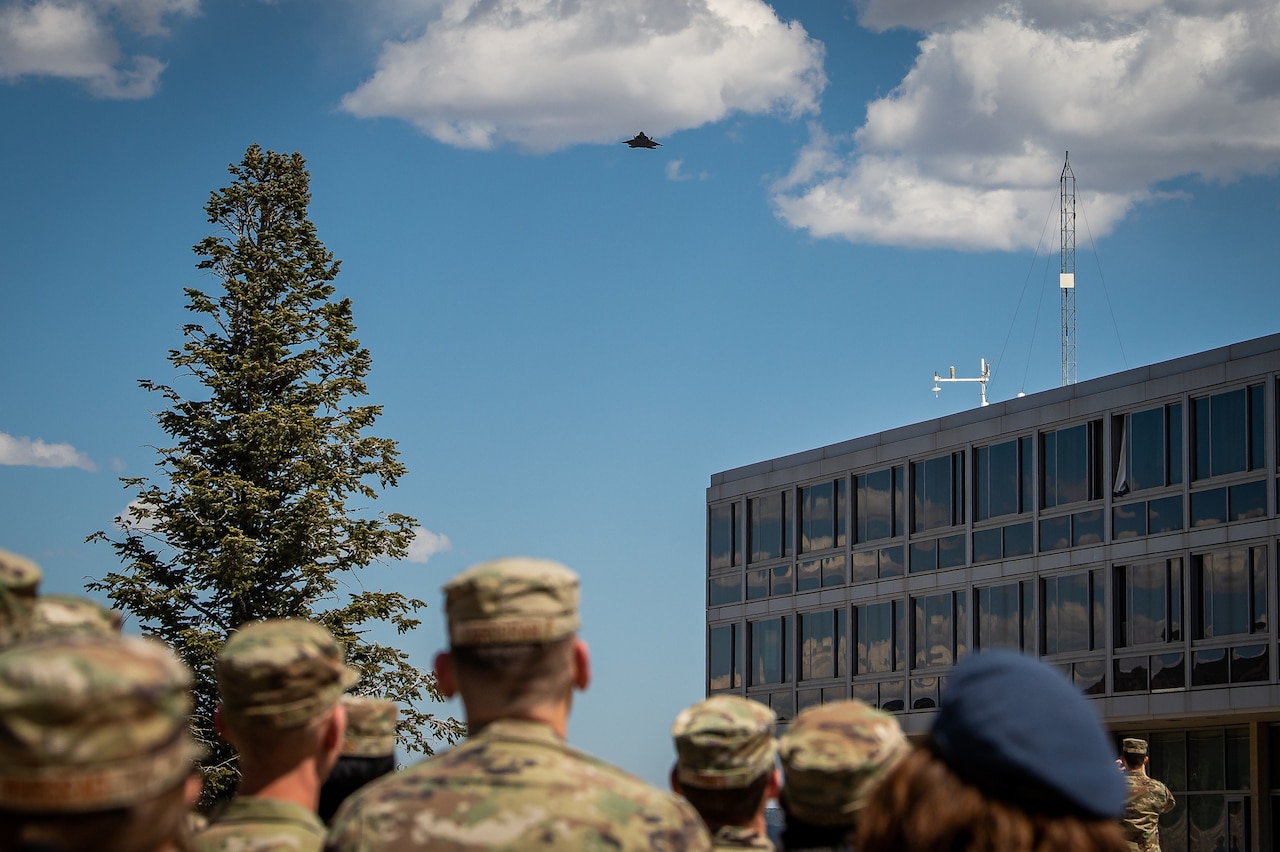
column 642, row 141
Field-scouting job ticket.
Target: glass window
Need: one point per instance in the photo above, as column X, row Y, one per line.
column 1169, row 671
column 1128, row 521
column 1206, row 760
column 1069, row 607
column 724, row 590
column 924, row 556
column 891, row 561
column 1089, row 676
column 783, row 704
column 940, row 629
column 1148, row 603
column 1086, row 528
column 770, row 645
column 1002, row 479
column 1055, row 533
column 821, row 513
column 1249, row 664
column 724, row 659
column 1019, row 540
column 758, row 584
column 1228, row 432
column 1164, row 515
column 770, row 526
column 878, row 508
column 822, row 644
column 1209, row 507
column 1230, row 592
column 1247, row 500
column 881, row 638
column 1071, row 465
column 951, row 551
column 1130, row 674
column 924, row 693
column 724, row 536
column 1149, row 449
column 833, row 573
column 1000, row 619
column 987, row 544
column 865, row 565
column 809, row 575
column 937, row 492
column 893, row 696
column 781, row 581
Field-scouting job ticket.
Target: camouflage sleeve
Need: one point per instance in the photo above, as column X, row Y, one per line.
column 1169, row 801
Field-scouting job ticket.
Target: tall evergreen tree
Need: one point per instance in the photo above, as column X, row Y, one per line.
column 256, row 513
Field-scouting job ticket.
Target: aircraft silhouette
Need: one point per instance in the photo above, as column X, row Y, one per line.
column 642, row 141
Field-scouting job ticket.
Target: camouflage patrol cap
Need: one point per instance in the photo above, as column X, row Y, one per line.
column 833, row 755
column 724, row 742
column 91, row 723
column 19, row 579
column 1133, row 745
column 71, row 614
column 512, row 601
column 371, row 726
column 281, row 673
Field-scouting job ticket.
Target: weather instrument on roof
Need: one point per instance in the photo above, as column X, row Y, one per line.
column 642, row 141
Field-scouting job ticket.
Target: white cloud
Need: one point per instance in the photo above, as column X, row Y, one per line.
column 674, row 172
column 967, row 150
column 136, row 516
column 77, row 40
column 33, row 452
column 544, row 74
column 426, row 544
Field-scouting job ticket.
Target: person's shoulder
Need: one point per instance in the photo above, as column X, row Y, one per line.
column 253, row 824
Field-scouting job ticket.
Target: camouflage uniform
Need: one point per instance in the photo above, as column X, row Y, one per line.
column 19, row 579
column 371, row 726
column 93, row 724
column 280, row 675
column 1148, row 799
column 513, row 784
column 832, row 756
column 71, row 614
column 725, row 743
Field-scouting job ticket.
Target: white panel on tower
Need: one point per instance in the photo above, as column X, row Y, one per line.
column 1067, row 281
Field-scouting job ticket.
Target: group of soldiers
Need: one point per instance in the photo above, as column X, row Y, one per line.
column 96, row 753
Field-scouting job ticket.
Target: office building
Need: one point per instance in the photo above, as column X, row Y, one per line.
column 1123, row 529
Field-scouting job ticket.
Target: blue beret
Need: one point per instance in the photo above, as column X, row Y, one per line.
column 1019, row 731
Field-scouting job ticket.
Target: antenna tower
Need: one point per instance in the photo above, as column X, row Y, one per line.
column 1067, row 277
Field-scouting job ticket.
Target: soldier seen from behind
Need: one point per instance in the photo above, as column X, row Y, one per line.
column 1016, row 761
column 368, row 750
column 95, row 750
column 832, row 757
column 279, row 682
column 1148, row 798
column 515, row 660
column 724, row 767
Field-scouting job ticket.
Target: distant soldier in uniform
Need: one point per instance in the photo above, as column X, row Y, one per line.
column 279, row 682
column 368, row 750
column 724, row 767
column 19, row 580
column 832, row 757
column 1148, row 799
column 95, row 752
column 514, row 784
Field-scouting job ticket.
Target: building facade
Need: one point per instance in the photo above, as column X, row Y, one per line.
column 1122, row 529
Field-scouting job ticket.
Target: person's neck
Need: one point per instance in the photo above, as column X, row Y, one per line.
column 300, row 785
column 555, row 717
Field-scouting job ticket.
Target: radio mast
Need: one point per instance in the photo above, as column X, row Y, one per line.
column 1067, row 277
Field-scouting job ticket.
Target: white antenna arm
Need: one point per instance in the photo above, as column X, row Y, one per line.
column 981, row 380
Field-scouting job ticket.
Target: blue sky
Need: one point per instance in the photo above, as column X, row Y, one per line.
column 569, row 336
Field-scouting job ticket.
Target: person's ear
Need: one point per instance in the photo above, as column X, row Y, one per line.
column 444, row 675
column 581, row 665
column 775, row 785
column 675, row 782
column 220, row 723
